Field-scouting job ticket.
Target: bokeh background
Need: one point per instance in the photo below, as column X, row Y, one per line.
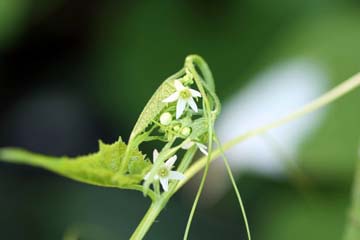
column 73, row 72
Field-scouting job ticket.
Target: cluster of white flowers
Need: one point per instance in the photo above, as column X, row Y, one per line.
column 184, row 96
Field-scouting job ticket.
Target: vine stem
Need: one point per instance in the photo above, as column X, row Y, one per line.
column 153, row 212
column 352, row 230
column 237, row 192
column 148, row 219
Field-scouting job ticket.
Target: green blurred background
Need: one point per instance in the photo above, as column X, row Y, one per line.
column 73, row 72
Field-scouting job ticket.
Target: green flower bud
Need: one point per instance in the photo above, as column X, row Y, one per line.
column 186, row 131
column 176, row 128
column 188, row 78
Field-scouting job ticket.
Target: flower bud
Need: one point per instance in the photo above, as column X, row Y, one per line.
column 176, row 128
column 186, row 131
column 165, row 118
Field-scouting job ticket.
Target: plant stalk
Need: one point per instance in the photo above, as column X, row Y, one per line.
column 148, row 219
column 152, row 213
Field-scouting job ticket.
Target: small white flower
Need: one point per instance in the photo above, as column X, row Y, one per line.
column 201, row 146
column 183, row 96
column 164, row 173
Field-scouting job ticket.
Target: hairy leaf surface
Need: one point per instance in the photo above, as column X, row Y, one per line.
column 99, row 168
column 155, row 104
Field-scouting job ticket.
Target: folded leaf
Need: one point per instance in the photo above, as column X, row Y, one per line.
column 155, row 104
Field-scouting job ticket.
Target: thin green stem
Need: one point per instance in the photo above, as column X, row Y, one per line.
column 185, row 162
column 233, row 182
column 196, row 201
column 204, row 68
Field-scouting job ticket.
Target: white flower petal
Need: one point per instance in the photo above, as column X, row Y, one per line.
column 169, row 163
column 192, row 104
column 155, row 155
column 176, row 175
column 195, row 93
column 200, row 145
column 165, row 183
column 178, row 85
column 147, row 176
column 172, row 98
column 187, row 145
column 202, row 148
column 203, row 151
column 180, row 107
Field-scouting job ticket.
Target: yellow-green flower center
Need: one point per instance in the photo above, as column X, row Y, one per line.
column 163, row 172
column 185, row 93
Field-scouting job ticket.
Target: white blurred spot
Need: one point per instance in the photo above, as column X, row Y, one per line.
column 273, row 94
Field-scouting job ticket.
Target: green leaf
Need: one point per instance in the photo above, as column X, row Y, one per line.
column 138, row 166
column 99, row 168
